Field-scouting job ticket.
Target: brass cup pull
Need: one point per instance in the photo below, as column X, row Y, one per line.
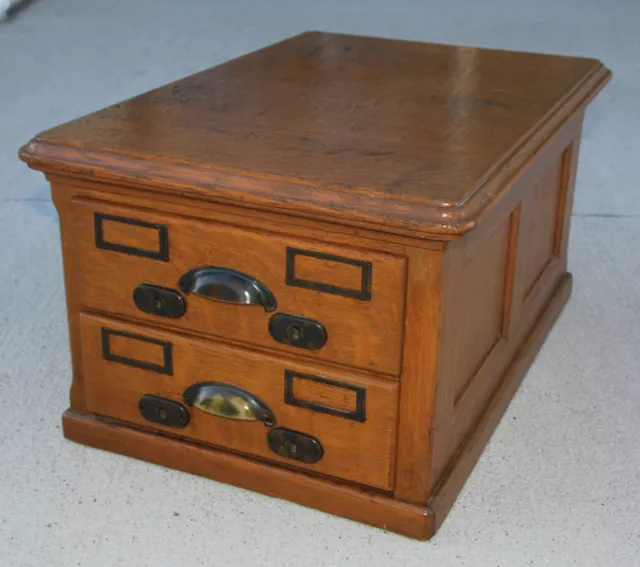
column 227, row 285
column 231, row 402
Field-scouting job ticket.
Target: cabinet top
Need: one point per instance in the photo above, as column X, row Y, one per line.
column 401, row 136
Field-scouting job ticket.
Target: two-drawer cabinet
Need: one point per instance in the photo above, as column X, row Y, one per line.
column 319, row 271
column 168, row 303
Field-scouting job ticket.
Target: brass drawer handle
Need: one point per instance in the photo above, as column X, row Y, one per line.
column 227, row 285
column 231, row 402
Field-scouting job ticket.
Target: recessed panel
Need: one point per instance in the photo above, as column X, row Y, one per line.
column 485, row 286
column 541, row 240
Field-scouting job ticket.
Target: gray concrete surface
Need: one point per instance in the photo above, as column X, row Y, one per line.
column 559, row 483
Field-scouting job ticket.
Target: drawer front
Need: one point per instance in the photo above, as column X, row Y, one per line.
column 350, row 301
column 351, row 420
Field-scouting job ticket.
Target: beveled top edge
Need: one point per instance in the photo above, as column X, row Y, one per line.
column 440, row 219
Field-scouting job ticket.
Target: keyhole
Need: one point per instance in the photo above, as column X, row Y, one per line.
column 161, row 413
column 269, row 421
column 158, row 303
column 294, row 332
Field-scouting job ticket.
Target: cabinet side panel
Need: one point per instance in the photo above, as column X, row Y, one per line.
column 484, row 291
column 536, row 266
column 508, row 278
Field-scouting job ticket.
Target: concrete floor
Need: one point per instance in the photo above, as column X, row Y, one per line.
column 559, row 483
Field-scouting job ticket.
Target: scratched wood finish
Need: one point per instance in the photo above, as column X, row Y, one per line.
column 336, row 126
column 360, row 452
column 449, row 170
column 362, row 333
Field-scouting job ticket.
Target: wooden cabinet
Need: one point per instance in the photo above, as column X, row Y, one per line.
column 321, row 270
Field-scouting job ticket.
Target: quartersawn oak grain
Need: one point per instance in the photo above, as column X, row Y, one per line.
column 328, row 125
column 362, row 333
column 449, row 170
column 359, row 452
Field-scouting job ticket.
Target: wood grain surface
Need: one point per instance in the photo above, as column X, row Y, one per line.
column 361, row 333
column 360, row 452
column 346, row 126
column 413, row 198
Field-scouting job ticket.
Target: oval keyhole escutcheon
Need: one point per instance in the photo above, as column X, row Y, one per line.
column 297, row 331
column 295, row 445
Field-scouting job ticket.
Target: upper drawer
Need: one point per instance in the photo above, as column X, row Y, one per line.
column 355, row 296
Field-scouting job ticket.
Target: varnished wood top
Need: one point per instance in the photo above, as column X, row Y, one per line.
column 405, row 136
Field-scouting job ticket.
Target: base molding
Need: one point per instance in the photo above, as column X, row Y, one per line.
column 340, row 499
column 369, row 507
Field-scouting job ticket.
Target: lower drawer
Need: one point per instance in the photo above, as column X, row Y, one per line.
column 350, row 418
